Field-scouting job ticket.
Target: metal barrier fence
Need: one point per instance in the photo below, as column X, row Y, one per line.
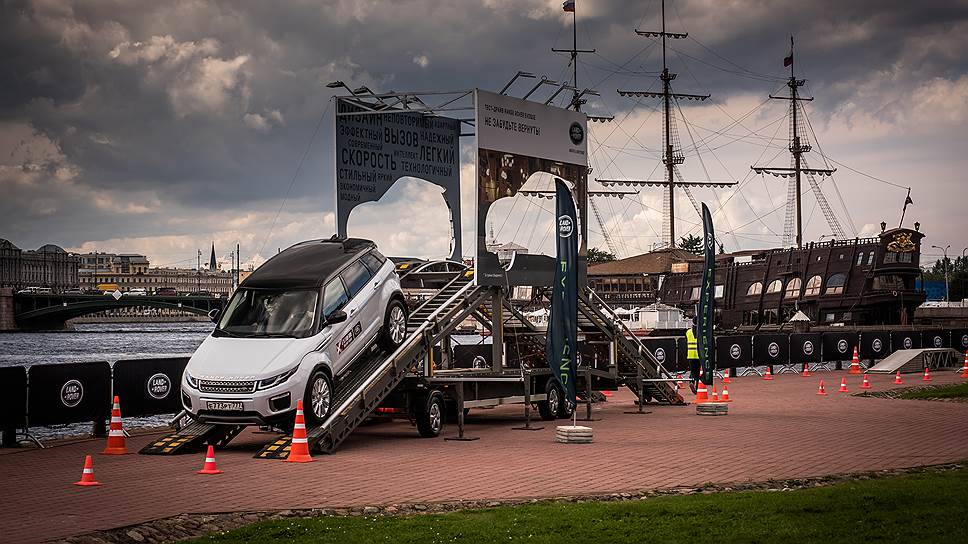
column 54, row 394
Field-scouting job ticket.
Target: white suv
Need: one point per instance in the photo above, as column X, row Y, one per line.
column 291, row 330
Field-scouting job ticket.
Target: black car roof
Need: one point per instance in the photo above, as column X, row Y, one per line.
column 307, row 265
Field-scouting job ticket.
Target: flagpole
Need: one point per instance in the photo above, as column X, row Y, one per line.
column 907, row 199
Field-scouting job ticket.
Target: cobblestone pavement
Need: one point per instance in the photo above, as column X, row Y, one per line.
column 774, row 430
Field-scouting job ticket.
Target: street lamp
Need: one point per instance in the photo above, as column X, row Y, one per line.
column 944, row 251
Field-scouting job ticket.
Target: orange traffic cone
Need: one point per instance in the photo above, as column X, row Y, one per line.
column 725, row 396
column 702, row 395
column 806, row 370
column 715, row 397
column 866, row 384
column 87, row 477
column 607, row 393
column 299, row 451
column 843, row 386
column 964, row 367
column 768, row 375
column 821, row 390
column 855, row 363
column 116, row 434
column 897, row 378
column 726, row 376
column 927, row 375
column 209, row 467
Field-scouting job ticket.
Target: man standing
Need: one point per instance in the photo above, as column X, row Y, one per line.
column 692, row 355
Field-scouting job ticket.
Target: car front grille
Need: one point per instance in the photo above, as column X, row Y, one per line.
column 223, row 386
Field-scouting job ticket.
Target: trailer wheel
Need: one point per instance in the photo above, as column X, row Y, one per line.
column 430, row 415
column 549, row 408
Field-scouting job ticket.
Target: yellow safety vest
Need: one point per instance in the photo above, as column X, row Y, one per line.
column 692, row 344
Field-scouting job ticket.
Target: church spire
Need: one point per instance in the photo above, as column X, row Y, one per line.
column 212, row 265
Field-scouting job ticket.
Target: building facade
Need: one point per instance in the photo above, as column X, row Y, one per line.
column 131, row 271
column 48, row 266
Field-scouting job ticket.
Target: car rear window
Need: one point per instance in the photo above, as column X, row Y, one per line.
column 355, row 277
column 372, row 262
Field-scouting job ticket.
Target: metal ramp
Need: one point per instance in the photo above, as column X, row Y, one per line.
column 916, row 360
column 637, row 368
column 192, row 438
column 370, row 381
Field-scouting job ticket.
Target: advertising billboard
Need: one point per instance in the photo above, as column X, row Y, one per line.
column 517, row 138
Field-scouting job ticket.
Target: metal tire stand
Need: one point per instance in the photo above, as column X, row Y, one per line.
column 641, row 381
column 527, row 404
column 460, row 419
column 588, row 398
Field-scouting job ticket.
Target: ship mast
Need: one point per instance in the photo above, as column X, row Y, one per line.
column 671, row 150
column 797, row 148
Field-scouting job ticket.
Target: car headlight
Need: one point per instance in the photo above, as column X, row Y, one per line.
column 277, row 379
column 191, row 380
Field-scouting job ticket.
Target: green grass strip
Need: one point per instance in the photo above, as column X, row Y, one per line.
column 959, row 391
column 921, row 507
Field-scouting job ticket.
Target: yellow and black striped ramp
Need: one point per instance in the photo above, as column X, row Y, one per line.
column 190, row 439
column 278, row 449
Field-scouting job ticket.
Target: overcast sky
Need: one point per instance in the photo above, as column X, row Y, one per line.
column 161, row 127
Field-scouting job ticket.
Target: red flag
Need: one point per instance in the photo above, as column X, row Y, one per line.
column 787, row 61
column 568, row 5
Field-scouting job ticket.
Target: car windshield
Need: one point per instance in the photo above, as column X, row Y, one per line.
column 259, row 313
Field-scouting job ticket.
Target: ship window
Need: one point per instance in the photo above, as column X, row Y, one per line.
column 841, row 257
column 775, row 286
column 870, row 258
column 835, row 284
column 888, row 281
column 860, row 258
column 755, row 289
column 720, row 289
column 695, row 294
column 813, row 286
column 792, row 288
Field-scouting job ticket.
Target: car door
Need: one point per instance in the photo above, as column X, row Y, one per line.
column 359, row 310
column 335, row 299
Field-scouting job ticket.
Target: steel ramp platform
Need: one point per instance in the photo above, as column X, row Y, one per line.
column 915, row 360
column 192, row 438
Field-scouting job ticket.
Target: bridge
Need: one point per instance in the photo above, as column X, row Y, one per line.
column 51, row 311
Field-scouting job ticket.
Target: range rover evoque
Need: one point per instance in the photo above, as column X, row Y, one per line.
column 291, row 330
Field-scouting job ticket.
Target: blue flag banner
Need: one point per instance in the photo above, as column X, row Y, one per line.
column 707, row 300
column 562, row 340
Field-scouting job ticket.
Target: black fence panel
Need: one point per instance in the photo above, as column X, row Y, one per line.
column 875, row 345
column 663, row 349
column 149, row 387
column 959, row 340
column 905, row 340
column 936, row 339
column 593, row 354
column 838, row 346
column 69, row 393
column 682, row 354
column 734, row 351
column 805, row 348
column 771, row 349
column 13, row 397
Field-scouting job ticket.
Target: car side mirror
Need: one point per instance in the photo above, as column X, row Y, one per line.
column 336, row 317
column 213, row 314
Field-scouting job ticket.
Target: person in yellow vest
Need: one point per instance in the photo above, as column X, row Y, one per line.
column 692, row 355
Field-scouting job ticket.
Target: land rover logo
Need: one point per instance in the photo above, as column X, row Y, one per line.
column 735, row 351
column 159, row 386
column 876, row 345
column 72, row 392
column 907, row 342
column 576, row 133
column 964, row 341
column 842, row 346
column 660, row 354
column 773, row 349
column 565, row 226
column 808, row 347
column 937, row 341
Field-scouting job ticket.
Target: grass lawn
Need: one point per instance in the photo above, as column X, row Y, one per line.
column 951, row 392
column 922, row 507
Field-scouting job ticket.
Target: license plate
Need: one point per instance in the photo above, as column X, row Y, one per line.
column 225, row 406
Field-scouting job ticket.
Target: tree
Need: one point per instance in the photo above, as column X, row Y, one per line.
column 691, row 243
column 596, row 256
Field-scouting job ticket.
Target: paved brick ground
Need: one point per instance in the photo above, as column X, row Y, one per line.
column 776, row 429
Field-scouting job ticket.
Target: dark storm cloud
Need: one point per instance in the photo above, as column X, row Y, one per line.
column 209, row 106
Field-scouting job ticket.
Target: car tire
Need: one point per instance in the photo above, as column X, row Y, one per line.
column 394, row 326
column 431, row 413
column 551, row 406
column 318, row 400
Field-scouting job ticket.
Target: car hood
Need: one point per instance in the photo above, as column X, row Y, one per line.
column 246, row 358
